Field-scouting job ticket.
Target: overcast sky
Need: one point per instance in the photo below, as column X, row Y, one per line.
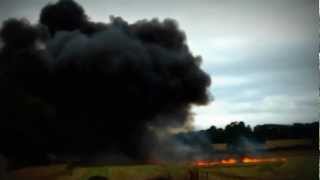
column 262, row 55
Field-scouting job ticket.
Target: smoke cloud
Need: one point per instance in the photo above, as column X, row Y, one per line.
column 70, row 85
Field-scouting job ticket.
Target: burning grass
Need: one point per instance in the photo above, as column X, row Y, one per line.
column 241, row 161
column 298, row 165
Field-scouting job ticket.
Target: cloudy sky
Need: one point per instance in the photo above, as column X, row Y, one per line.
column 262, row 55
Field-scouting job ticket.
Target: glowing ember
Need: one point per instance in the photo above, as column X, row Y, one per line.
column 203, row 163
column 233, row 161
column 229, row 161
column 261, row 160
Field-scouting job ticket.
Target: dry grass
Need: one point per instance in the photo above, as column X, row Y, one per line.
column 272, row 144
column 220, row 147
column 287, row 143
column 301, row 164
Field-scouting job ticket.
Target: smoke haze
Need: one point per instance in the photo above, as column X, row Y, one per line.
column 75, row 86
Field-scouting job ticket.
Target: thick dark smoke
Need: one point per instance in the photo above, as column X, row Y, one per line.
column 87, row 87
column 65, row 15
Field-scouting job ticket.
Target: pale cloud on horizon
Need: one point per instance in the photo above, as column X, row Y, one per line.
column 290, row 109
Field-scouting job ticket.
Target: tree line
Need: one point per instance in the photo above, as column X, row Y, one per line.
column 237, row 134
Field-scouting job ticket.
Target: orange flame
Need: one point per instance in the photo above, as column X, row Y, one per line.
column 232, row 161
column 262, row 160
column 229, row 161
column 202, row 163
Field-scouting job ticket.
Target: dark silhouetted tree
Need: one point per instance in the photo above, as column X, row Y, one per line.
column 235, row 132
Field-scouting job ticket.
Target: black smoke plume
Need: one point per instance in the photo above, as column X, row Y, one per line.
column 69, row 85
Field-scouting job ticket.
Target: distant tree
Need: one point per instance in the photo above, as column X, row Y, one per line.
column 239, row 137
column 295, row 131
column 216, row 135
column 235, row 132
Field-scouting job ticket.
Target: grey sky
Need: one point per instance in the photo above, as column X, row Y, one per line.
column 262, row 55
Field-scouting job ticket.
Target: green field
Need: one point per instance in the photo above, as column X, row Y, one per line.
column 301, row 164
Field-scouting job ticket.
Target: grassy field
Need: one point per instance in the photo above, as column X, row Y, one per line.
column 301, row 164
column 274, row 144
column 287, row 143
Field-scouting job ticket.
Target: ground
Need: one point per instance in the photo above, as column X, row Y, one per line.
column 301, row 164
